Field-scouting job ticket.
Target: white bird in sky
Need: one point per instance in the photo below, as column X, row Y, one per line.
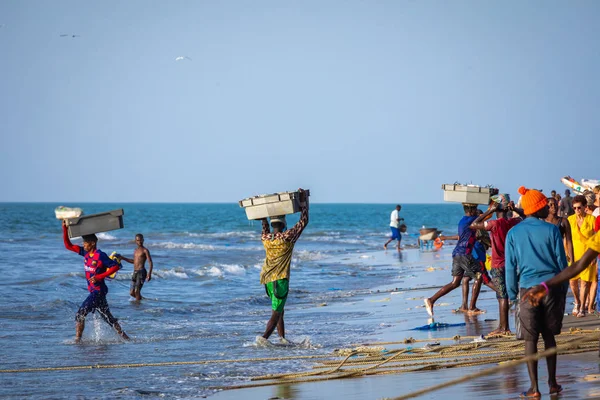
column 183, row 58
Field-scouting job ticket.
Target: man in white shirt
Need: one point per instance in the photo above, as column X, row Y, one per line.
column 395, row 223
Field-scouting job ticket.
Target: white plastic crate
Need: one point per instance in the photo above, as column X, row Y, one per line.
column 466, row 194
column 271, row 205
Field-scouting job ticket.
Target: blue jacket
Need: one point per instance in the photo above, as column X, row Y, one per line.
column 534, row 253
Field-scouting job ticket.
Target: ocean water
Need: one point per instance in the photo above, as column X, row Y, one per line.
column 204, row 302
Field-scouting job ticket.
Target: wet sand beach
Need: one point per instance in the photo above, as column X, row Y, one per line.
column 398, row 308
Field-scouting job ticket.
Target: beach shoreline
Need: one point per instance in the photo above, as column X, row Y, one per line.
column 385, row 303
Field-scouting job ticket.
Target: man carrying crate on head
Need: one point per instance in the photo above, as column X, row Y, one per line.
column 97, row 266
column 275, row 273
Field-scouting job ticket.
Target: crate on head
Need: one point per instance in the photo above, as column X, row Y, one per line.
column 95, row 223
column 467, row 194
column 271, row 205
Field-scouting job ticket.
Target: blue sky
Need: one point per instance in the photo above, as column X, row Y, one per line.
column 360, row 101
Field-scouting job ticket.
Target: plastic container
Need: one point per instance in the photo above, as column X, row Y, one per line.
column 63, row 212
column 95, row 223
column 271, row 205
column 467, row 194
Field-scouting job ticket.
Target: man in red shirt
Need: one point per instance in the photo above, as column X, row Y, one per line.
column 97, row 266
column 498, row 229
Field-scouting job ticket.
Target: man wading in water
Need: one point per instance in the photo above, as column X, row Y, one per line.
column 275, row 273
column 140, row 275
column 97, row 266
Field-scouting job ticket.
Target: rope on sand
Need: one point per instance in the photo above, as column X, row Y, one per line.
column 534, row 357
column 365, row 362
column 160, row 364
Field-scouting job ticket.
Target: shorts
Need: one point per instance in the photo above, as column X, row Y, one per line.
column 499, row 281
column 547, row 317
column 396, row 233
column 96, row 301
column 467, row 265
column 138, row 278
column 277, row 292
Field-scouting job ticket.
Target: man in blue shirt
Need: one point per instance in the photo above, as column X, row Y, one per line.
column 463, row 263
column 535, row 253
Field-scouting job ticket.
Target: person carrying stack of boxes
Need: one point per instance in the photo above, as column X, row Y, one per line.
column 279, row 245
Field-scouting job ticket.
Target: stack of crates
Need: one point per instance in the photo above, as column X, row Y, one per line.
column 272, row 205
column 468, row 194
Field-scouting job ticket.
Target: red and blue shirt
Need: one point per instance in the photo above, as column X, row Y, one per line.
column 96, row 264
column 466, row 237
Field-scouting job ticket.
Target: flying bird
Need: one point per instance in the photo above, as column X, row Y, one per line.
column 183, row 58
column 67, row 35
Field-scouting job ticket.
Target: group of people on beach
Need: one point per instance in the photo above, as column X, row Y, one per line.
column 278, row 244
column 537, row 246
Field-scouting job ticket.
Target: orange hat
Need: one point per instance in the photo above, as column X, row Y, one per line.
column 532, row 200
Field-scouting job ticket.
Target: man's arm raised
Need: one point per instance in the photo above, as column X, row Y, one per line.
column 68, row 245
column 293, row 234
column 479, row 223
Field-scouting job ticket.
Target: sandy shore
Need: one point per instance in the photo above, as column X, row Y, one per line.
column 396, row 308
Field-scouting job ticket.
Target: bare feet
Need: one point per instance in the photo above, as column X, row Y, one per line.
column 428, row 307
column 385, row 246
column 555, row 389
column 499, row 332
column 531, row 394
column 475, row 311
column 461, row 310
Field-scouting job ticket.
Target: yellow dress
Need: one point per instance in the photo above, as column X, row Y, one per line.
column 580, row 235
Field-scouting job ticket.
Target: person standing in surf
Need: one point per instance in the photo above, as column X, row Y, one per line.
column 395, row 223
column 275, row 273
column 463, row 262
column 97, row 266
column 534, row 252
column 140, row 275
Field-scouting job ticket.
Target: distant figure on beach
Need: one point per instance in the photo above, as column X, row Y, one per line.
column 395, row 223
column 140, row 275
column 97, row 266
column 558, row 199
column 498, row 229
column 565, row 207
column 275, row 273
column 562, row 223
column 463, row 262
column 534, row 253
